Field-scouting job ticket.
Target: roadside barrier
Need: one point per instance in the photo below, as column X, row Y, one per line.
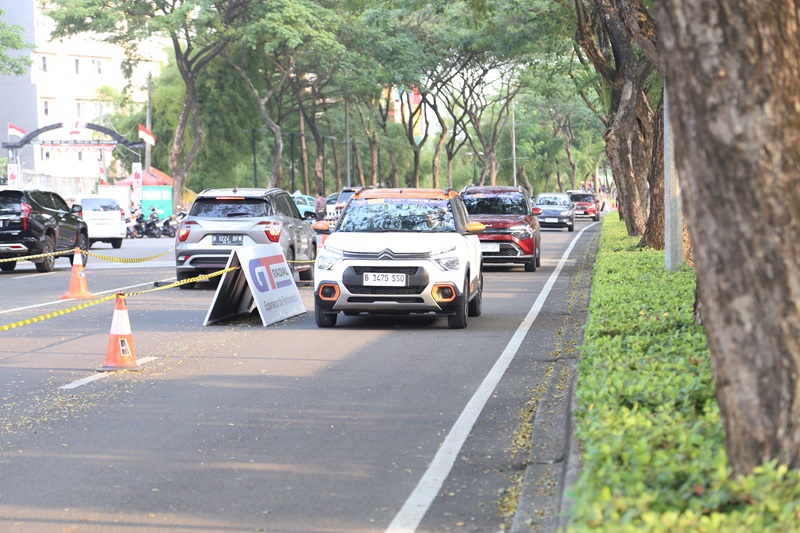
column 78, row 287
column 102, row 299
column 119, row 353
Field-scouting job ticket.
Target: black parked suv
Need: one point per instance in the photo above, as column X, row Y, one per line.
column 37, row 221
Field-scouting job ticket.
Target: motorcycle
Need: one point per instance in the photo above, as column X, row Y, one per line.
column 168, row 228
column 135, row 226
column 151, row 228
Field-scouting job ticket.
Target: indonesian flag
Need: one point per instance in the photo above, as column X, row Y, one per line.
column 15, row 130
column 146, row 135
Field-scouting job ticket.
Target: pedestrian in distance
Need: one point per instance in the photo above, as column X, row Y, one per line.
column 320, row 206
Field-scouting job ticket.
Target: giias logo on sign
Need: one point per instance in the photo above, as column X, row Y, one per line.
column 269, row 273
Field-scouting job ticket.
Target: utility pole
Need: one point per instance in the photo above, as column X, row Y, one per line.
column 149, row 124
column 347, row 139
column 673, row 223
column 514, row 139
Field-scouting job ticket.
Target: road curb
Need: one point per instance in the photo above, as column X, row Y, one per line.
column 545, row 480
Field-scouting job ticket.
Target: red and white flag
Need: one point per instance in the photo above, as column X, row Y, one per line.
column 147, row 135
column 15, row 130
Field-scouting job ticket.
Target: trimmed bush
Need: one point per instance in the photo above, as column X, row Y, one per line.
column 652, row 440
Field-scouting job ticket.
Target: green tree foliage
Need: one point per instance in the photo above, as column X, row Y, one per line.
column 11, row 40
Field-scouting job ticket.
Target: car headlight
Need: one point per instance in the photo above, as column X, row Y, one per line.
column 446, row 260
column 566, row 213
column 521, row 232
column 328, row 258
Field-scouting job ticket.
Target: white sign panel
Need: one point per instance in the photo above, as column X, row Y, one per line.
column 14, row 179
column 269, row 287
column 136, row 174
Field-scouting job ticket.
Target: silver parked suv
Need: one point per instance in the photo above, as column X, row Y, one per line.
column 222, row 219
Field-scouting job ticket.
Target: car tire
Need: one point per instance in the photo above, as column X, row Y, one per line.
column 458, row 320
column 116, row 243
column 186, row 286
column 476, row 304
column 323, row 319
column 290, row 259
column 8, row 266
column 47, row 264
column 83, row 244
column 571, row 227
column 596, row 218
column 530, row 266
column 538, row 257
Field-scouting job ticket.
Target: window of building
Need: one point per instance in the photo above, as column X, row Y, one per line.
column 77, row 66
column 80, row 156
column 46, row 108
column 97, row 66
column 44, row 63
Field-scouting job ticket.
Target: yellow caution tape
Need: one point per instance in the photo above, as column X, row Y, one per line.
column 37, row 256
column 127, row 260
column 102, row 299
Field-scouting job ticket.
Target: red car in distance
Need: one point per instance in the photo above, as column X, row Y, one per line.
column 586, row 205
column 512, row 233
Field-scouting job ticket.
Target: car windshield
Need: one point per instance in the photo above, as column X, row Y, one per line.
column 99, row 204
column 345, row 196
column 496, row 204
column 552, row 200
column 398, row 214
column 582, row 198
column 230, row 207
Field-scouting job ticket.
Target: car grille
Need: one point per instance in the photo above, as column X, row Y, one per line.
column 386, row 255
column 208, row 262
column 506, row 250
column 497, row 231
column 410, row 270
column 357, row 289
column 368, row 300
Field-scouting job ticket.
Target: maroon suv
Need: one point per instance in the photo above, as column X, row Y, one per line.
column 512, row 230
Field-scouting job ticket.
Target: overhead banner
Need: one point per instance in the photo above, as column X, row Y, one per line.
column 263, row 281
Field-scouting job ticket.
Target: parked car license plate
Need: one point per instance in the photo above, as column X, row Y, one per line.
column 226, row 240
column 381, row 279
column 490, row 247
column 551, row 221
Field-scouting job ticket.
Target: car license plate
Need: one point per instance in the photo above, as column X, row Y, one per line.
column 381, row 279
column 226, row 240
column 551, row 221
column 490, row 247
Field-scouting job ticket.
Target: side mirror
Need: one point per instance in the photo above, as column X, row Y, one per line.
column 77, row 209
column 310, row 216
column 476, row 227
column 321, row 226
column 536, row 211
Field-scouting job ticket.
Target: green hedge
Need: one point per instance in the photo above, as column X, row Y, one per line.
column 651, row 436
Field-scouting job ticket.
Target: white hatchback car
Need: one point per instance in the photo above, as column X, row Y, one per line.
column 105, row 218
column 400, row 251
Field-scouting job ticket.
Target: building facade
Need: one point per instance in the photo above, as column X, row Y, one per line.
column 61, row 86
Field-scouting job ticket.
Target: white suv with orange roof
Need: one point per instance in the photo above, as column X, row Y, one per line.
column 400, row 251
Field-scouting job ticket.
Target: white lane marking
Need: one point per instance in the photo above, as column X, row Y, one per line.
column 95, row 377
column 410, row 515
column 123, row 289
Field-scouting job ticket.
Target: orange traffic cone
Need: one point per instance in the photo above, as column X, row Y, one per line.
column 119, row 354
column 77, row 281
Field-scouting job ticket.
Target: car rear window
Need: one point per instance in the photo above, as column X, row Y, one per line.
column 9, row 201
column 495, row 204
column 582, row 198
column 230, row 207
column 344, row 196
column 376, row 215
column 99, row 204
column 552, row 200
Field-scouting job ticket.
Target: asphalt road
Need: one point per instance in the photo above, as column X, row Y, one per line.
column 288, row 428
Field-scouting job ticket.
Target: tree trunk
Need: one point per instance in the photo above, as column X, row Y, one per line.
column 732, row 71
column 336, row 168
column 653, row 236
column 304, row 154
column 359, row 166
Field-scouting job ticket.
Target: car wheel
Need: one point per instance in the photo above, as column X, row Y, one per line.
column 308, row 275
column 476, row 304
column 83, row 244
column 48, row 263
column 116, row 243
column 8, row 266
column 530, row 266
column 186, row 286
column 458, row 320
column 323, row 319
column 597, row 218
column 538, row 256
column 571, row 227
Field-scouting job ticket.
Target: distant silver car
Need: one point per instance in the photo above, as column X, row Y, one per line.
column 222, row 219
